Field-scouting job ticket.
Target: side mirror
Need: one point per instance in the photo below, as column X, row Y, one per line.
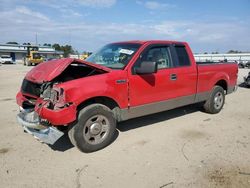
column 147, row 67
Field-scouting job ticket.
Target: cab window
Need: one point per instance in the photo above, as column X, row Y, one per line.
column 182, row 56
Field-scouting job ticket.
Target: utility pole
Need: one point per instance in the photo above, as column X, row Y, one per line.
column 69, row 37
column 36, row 38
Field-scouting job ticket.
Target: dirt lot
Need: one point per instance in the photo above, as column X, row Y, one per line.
column 178, row 148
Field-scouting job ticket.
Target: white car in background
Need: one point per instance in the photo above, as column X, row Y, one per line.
column 5, row 59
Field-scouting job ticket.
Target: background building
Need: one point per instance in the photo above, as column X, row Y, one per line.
column 18, row 52
column 239, row 57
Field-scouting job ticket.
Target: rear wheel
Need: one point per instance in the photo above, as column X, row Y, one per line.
column 94, row 129
column 216, row 100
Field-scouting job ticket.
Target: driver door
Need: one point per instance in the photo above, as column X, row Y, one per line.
column 151, row 88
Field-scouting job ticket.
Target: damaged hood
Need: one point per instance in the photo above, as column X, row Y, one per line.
column 47, row 71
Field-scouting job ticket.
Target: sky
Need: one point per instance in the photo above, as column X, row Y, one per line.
column 207, row 25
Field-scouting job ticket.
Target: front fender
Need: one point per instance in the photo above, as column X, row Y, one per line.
column 104, row 85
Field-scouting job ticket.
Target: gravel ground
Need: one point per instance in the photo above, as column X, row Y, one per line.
column 179, row 148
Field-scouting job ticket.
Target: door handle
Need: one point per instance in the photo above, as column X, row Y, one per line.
column 173, row 77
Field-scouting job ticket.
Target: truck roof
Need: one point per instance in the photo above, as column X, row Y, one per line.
column 148, row 41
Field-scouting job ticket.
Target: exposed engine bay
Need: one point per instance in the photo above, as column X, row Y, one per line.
column 32, row 91
column 75, row 71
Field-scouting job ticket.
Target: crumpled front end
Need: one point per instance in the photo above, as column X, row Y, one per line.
column 44, row 103
column 49, row 103
column 41, row 117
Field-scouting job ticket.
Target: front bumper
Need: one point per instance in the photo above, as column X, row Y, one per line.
column 57, row 117
column 31, row 123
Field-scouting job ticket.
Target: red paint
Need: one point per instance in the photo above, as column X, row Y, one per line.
column 58, row 117
column 137, row 90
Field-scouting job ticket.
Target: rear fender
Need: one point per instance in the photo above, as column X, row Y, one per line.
column 218, row 77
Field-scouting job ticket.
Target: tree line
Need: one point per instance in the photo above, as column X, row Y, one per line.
column 67, row 49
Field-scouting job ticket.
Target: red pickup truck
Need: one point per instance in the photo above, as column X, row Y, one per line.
column 121, row 81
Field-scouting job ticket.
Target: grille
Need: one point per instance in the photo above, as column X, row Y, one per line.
column 31, row 88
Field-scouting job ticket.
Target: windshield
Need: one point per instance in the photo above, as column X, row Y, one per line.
column 114, row 56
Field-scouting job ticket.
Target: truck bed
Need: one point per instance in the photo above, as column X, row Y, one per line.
column 210, row 72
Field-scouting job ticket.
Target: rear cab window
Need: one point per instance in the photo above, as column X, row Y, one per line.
column 181, row 56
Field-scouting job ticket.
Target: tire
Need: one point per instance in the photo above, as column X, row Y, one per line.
column 71, row 133
column 241, row 65
column 216, row 100
column 94, row 130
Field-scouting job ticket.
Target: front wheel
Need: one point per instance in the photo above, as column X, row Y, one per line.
column 94, row 129
column 216, row 100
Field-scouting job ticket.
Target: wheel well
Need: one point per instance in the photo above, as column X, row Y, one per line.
column 223, row 84
column 110, row 103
